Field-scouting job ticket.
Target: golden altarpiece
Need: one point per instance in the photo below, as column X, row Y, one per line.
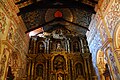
column 59, row 56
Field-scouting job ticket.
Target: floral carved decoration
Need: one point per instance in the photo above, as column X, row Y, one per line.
column 2, row 63
column 2, row 22
column 105, row 4
column 104, row 34
column 10, row 33
column 112, row 16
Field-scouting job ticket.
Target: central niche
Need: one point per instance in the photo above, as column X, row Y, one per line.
column 59, row 63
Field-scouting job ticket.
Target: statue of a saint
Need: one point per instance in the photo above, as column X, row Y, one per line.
column 39, row 78
column 58, row 46
column 60, row 77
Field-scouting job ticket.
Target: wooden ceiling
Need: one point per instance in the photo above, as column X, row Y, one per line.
column 30, row 5
column 34, row 13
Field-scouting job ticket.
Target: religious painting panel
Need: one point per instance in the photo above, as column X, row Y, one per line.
column 101, row 59
column 101, row 63
column 59, row 63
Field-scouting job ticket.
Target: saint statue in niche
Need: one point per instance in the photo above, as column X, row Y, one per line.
column 39, row 70
column 79, row 72
column 41, row 48
column 60, row 77
column 58, row 45
column 76, row 47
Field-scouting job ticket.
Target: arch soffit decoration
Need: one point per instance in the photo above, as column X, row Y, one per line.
column 78, row 62
column 116, row 36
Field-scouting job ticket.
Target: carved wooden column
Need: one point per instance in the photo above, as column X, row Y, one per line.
column 31, row 47
column 32, row 71
column 46, row 45
column 29, row 69
column 89, row 69
column 82, row 45
column 71, row 46
column 72, row 70
column 86, row 45
column 68, row 45
column 86, row 56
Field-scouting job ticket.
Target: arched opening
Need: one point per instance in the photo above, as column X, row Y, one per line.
column 116, row 36
column 59, row 63
column 39, row 72
column 116, row 41
column 79, row 71
column 10, row 75
column 76, row 47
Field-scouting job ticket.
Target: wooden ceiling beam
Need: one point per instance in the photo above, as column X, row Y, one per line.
column 21, row 1
column 44, row 5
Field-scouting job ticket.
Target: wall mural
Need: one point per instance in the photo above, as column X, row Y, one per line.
column 94, row 39
column 104, row 5
column 34, row 19
column 112, row 16
column 83, row 17
column 97, row 18
column 103, row 32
